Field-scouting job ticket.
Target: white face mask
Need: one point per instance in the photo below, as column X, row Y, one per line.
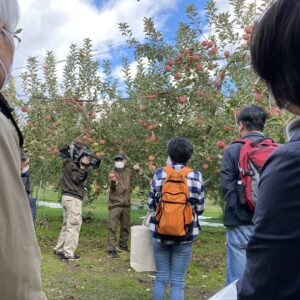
column 7, row 74
column 169, row 161
column 119, row 164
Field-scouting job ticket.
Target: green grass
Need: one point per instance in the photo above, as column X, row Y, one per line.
column 96, row 276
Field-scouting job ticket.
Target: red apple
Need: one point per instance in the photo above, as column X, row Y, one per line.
column 196, row 57
column 199, row 67
column 112, row 177
column 103, row 142
column 248, row 29
column 258, row 95
column 246, row 36
column 210, row 44
column 204, row 43
column 92, row 115
column 205, row 166
column 152, row 138
column 170, row 62
column 168, row 68
column 220, row 144
column 25, row 109
column 181, row 99
column 176, row 76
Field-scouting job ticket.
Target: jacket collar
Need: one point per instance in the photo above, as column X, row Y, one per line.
column 254, row 133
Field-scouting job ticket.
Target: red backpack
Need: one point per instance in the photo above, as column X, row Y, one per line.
column 253, row 156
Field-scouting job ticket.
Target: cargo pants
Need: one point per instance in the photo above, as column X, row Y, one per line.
column 118, row 216
column 69, row 235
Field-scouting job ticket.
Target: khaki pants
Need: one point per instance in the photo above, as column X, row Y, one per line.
column 69, row 235
column 118, row 216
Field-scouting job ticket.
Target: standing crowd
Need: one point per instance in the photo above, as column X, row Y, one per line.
column 262, row 207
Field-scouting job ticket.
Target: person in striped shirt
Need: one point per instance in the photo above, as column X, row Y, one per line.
column 172, row 257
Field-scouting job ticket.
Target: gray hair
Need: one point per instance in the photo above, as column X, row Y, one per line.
column 9, row 14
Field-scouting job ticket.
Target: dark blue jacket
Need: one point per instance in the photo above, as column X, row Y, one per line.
column 273, row 254
column 26, row 181
column 235, row 214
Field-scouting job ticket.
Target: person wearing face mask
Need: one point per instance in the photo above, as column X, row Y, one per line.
column 20, row 274
column 238, row 216
column 273, row 264
column 119, row 204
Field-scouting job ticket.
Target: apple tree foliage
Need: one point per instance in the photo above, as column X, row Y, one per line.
column 192, row 86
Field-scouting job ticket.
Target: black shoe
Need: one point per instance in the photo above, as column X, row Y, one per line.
column 72, row 258
column 123, row 248
column 57, row 253
column 112, row 254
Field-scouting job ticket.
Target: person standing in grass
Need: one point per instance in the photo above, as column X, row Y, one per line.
column 172, row 254
column 119, row 204
column 74, row 174
column 20, row 274
column 238, row 215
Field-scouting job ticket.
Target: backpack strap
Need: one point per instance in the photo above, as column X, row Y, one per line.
column 169, row 170
column 7, row 111
column 184, row 171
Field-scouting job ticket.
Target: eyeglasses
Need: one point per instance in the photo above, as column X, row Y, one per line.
column 13, row 38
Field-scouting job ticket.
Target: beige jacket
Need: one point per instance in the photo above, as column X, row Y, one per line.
column 20, row 274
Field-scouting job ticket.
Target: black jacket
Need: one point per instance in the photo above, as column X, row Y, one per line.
column 235, row 214
column 72, row 179
column 273, row 254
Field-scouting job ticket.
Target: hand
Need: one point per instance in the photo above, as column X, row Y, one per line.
column 112, row 177
column 84, row 162
column 136, row 167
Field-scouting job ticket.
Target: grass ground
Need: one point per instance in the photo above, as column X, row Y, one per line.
column 96, row 276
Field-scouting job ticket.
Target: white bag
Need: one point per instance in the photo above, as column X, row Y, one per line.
column 227, row 293
column 141, row 252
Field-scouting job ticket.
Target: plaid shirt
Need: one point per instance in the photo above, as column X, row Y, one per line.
column 196, row 197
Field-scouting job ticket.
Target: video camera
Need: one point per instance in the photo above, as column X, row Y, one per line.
column 76, row 152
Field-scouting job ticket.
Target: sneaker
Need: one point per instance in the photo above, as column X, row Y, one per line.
column 123, row 248
column 112, row 254
column 72, row 258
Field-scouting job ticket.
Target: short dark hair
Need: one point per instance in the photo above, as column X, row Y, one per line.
column 253, row 118
column 180, row 150
column 275, row 50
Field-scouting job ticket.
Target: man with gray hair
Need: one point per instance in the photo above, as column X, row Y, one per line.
column 20, row 275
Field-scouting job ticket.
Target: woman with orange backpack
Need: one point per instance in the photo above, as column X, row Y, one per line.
column 176, row 199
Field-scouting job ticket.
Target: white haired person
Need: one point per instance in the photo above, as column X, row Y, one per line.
column 20, row 276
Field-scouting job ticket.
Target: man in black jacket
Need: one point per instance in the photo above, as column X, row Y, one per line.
column 238, row 217
column 73, row 176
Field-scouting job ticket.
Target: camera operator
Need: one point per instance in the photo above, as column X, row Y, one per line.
column 74, row 174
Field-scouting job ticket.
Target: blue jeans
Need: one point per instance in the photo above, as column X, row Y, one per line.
column 237, row 239
column 171, row 265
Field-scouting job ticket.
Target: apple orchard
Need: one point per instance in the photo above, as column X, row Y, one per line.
column 193, row 87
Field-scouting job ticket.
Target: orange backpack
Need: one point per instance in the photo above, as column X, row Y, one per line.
column 174, row 215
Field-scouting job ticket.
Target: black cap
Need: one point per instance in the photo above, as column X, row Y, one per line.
column 121, row 155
